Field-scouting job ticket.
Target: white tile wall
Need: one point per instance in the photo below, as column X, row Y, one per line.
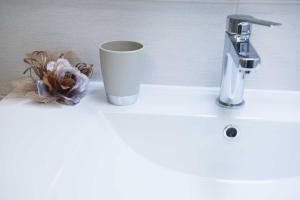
column 183, row 40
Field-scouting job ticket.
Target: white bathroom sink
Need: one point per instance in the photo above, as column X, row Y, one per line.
column 262, row 150
column 170, row 145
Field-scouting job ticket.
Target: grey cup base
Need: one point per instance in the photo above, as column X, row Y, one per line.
column 122, row 100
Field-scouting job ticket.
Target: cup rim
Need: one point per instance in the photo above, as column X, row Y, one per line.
column 115, row 51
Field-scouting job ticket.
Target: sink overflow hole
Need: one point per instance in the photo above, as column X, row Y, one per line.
column 230, row 131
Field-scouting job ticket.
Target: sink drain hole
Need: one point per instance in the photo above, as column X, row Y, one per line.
column 231, row 131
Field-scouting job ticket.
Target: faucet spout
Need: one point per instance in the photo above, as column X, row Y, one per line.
column 248, row 59
column 239, row 59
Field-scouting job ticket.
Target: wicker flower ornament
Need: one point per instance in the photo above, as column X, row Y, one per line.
column 58, row 80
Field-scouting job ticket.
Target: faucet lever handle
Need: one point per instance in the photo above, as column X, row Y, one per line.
column 241, row 24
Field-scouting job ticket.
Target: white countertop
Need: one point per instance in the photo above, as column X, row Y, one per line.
column 47, row 151
column 178, row 100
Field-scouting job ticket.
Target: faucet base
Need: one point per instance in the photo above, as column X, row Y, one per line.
column 229, row 105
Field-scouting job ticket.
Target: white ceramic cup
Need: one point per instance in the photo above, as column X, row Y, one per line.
column 121, row 63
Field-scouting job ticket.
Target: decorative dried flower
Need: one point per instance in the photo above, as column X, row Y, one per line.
column 59, row 80
column 85, row 69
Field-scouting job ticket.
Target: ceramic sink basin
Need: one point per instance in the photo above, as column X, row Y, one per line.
column 172, row 144
column 262, row 150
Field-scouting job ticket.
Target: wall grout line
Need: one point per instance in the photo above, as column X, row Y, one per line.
column 222, row 2
column 237, row 2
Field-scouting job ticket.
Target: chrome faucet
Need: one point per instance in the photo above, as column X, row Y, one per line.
column 239, row 59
